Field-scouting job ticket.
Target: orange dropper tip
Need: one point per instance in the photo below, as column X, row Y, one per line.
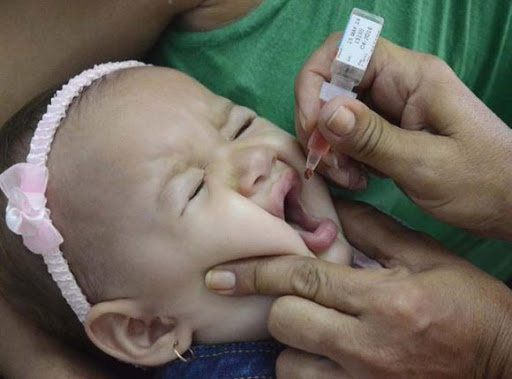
column 314, row 157
column 318, row 147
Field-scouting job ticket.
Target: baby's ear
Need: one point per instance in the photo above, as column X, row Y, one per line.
column 120, row 329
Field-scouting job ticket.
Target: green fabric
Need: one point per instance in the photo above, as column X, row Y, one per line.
column 256, row 60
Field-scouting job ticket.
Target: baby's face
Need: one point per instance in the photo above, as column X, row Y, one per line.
column 187, row 180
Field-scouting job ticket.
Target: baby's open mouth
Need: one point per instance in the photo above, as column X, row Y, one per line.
column 317, row 233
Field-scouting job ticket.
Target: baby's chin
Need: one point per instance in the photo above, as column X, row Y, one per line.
column 244, row 320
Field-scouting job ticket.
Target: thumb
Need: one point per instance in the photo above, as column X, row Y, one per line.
column 354, row 129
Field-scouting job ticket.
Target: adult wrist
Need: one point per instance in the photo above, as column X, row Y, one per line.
column 508, row 204
column 498, row 187
column 499, row 364
column 505, row 229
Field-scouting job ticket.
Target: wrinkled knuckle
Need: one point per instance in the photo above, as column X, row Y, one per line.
column 307, row 279
column 370, row 137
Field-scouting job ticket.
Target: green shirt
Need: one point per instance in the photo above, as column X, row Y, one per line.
column 255, row 62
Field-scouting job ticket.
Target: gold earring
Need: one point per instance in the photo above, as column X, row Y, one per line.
column 181, row 357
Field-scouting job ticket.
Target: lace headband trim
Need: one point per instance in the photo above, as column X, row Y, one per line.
column 24, row 185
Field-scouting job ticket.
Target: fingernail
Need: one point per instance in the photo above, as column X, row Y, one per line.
column 302, row 120
column 220, row 280
column 340, row 175
column 345, row 121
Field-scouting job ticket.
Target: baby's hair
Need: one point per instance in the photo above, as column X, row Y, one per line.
column 24, row 279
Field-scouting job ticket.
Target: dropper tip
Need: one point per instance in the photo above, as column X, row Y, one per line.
column 308, row 174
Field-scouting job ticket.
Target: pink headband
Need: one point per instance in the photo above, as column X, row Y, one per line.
column 24, row 185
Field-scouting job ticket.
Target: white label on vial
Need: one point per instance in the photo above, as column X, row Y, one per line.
column 356, row 46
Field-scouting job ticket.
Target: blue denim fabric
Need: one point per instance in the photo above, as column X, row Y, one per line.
column 240, row 360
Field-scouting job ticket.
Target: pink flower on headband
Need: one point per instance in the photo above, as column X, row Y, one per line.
column 24, row 185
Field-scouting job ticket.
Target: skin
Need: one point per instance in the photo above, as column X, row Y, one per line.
column 418, row 115
column 45, row 51
column 71, row 37
column 53, row 65
column 170, row 182
column 428, row 313
column 55, row 360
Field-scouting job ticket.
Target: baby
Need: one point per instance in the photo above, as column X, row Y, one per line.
column 152, row 180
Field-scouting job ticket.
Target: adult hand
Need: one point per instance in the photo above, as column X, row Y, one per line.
column 421, row 126
column 428, row 313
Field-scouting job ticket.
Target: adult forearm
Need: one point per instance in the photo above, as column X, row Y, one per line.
column 499, row 364
column 507, row 223
column 44, row 42
column 26, row 352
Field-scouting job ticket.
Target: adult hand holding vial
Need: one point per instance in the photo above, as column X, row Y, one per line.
column 347, row 70
column 419, row 125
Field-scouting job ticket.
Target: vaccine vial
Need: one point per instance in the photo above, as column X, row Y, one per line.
column 355, row 49
column 353, row 55
column 347, row 70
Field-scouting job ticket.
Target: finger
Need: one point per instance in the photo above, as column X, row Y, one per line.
column 390, row 78
column 297, row 364
column 309, row 81
column 409, row 157
column 392, row 67
column 386, row 240
column 310, row 327
column 329, row 284
column 318, row 69
column 399, row 80
column 350, row 174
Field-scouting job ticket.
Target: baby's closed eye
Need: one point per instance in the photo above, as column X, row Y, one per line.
column 246, row 125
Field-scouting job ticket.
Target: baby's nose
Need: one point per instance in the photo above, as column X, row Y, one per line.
column 253, row 165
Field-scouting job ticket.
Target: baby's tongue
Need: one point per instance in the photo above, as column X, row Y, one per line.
column 322, row 237
column 317, row 233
